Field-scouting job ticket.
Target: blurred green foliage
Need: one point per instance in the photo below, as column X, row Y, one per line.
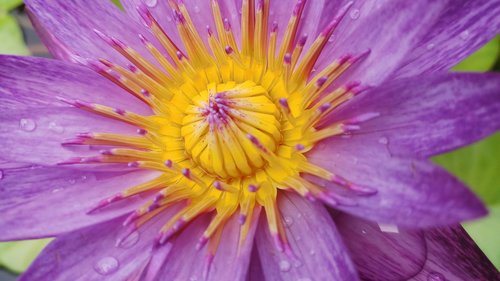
column 477, row 165
column 11, row 35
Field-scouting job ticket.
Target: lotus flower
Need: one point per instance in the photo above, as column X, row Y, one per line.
column 246, row 140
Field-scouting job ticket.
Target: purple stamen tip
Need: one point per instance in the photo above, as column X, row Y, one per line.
column 209, row 31
column 218, row 185
column 106, row 152
column 119, row 111
column 252, row 188
column 132, row 217
column 227, row 24
column 147, row 18
column 242, row 219
column 178, row 225
column 303, row 40
column 141, row 131
column 143, row 38
column 158, row 197
column 288, row 58
column 324, row 107
column 201, row 242
column 253, row 139
column 299, row 147
column 284, row 102
column 179, row 54
column 169, row 163
column 145, row 93
column 186, row 172
column 321, row 81
column 275, row 27
column 133, row 68
column 134, row 164
column 228, row 50
column 352, row 85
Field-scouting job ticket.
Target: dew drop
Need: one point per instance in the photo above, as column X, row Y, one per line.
column 285, row 265
column 312, row 252
column 83, row 178
column 430, row 46
column 1, row 174
column 72, row 181
column 129, row 241
column 151, row 3
column 56, row 128
column 465, row 35
column 383, row 140
column 435, row 276
column 354, row 14
column 288, row 221
column 27, row 125
column 331, row 39
column 106, row 266
column 197, row 9
column 56, row 190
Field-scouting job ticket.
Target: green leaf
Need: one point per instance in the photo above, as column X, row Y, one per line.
column 478, row 165
column 485, row 233
column 482, row 60
column 17, row 256
column 117, row 3
column 11, row 36
column 7, row 5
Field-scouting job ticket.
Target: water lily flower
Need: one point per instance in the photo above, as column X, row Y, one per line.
column 246, row 140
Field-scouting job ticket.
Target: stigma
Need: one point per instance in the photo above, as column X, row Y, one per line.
column 232, row 122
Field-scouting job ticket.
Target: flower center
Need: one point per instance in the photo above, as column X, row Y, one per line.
column 216, row 126
column 231, row 126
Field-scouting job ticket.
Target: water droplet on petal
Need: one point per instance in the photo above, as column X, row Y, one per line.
column 84, row 178
column 72, row 181
column 354, row 14
column 196, row 9
column 56, row 128
column 130, row 240
column 383, row 140
column 56, row 190
column 435, row 276
column 465, row 35
column 285, row 265
column 312, row 252
column 106, row 266
column 28, row 125
column 151, row 3
column 288, row 221
column 430, row 46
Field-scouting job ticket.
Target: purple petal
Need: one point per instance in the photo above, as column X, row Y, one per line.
column 67, row 29
column 412, row 193
column 461, row 28
column 96, row 253
column 314, row 240
column 32, row 112
column 46, row 201
column 185, row 262
column 428, row 115
column 389, row 255
column 412, row 37
column 420, row 255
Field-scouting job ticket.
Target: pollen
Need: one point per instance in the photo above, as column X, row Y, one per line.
column 232, row 122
